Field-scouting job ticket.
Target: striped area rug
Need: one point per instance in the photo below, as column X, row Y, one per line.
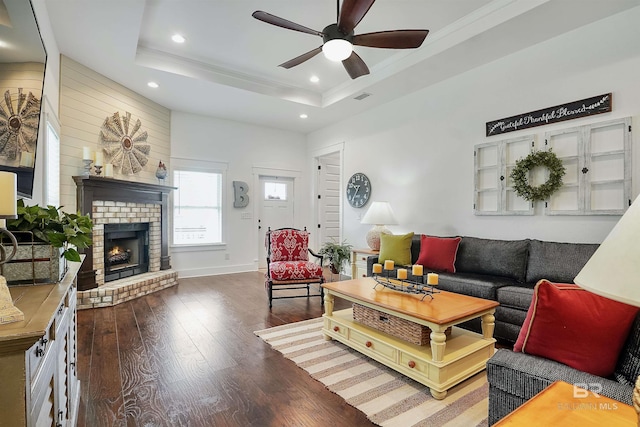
column 385, row 396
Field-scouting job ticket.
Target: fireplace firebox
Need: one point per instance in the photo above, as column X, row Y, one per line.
column 126, row 250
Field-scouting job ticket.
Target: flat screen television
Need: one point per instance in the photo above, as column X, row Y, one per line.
column 22, row 66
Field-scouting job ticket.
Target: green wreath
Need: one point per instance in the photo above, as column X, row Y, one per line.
column 520, row 175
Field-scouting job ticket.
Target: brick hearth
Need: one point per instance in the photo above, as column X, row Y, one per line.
column 111, row 201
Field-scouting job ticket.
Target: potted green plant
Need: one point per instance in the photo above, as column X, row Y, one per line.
column 46, row 236
column 336, row 254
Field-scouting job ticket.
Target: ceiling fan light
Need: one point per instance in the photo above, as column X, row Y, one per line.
column 337, row 50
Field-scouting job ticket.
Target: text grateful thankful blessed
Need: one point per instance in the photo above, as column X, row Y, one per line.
column 585, row 107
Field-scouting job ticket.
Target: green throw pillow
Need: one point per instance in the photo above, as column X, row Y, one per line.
column 396, row 248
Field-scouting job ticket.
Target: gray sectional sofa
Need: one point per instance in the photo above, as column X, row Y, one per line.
column 515, row 378
column 506, row 271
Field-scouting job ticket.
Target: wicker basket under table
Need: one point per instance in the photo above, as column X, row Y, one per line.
column 393, row 325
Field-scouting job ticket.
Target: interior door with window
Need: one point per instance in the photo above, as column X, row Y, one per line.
column 276, row 209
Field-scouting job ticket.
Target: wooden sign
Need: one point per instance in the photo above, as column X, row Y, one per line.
column 572, row 110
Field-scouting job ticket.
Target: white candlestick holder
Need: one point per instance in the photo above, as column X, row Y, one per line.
column 87, row 167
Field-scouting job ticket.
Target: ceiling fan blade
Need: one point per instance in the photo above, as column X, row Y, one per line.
column 281, row 22
column 351, row 14
column 398, row 39
column 355, row 66
column 300, row 59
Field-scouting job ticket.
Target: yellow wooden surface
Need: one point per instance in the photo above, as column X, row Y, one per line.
column 558, row 405
column 445, row 307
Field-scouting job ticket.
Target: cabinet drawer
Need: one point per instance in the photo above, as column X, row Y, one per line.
column 361, row 272
column 371, row 345
column 411, row 362
column 58, row 317
column 361, row 260
column 37, row 353
column 338, row 328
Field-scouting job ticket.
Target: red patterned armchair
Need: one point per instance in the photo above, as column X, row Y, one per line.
column 288, row 265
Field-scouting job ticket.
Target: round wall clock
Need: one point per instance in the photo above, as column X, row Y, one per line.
column 358, row 190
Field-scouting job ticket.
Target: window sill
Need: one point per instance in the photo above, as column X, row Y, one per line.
column 198, row 248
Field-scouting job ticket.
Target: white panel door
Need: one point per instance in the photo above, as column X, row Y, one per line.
column 329, row 198
column 276, row 209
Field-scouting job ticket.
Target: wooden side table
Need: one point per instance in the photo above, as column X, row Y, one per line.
column 561, row 405
column 359, row 262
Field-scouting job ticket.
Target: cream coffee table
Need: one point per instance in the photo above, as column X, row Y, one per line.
column 447, row 361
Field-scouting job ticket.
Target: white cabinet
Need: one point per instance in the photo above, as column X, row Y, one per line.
column 40, row 385
column 493, row 163
column 359, row 262
column 597, row 159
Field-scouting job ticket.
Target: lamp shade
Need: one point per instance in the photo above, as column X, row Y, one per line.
column 379, row 213
column 8, row 191
column 614, row 269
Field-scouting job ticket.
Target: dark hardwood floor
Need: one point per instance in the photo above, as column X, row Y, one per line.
column 187, row 356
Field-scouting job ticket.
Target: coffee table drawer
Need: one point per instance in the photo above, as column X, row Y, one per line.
column 372, row 345
column 337, row 328
column 411, row 362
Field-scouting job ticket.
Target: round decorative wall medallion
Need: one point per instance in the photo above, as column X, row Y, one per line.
column 125, row 146
column 19, row 119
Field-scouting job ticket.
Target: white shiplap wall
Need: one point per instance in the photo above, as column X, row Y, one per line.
column 86, row 99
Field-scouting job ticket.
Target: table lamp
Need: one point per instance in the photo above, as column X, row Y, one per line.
column 379, row 214
column 8, row 210
column 614, row 269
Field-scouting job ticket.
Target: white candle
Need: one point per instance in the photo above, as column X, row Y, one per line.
column 8, row 191
column 108, row 170
column 26, row 159
column 86, row 154
column 98, row 158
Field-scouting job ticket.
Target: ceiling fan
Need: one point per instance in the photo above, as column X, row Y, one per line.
column 339, row 38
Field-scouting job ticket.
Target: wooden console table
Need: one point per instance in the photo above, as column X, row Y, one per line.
column 447, row 361
column 38, row 373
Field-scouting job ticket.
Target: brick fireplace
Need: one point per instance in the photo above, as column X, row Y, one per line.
column 128, row 206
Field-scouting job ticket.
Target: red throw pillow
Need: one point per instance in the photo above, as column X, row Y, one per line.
column 438, row 253
column 573, row 326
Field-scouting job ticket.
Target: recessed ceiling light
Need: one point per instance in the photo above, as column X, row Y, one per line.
column 152, row 84
column 303, row 116
column 314, row 79
column 177, row 38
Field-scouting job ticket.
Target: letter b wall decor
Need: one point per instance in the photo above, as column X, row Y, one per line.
column 240, row 196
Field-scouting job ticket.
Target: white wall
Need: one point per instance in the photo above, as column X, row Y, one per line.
column 418, row 150
column 243, row 147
